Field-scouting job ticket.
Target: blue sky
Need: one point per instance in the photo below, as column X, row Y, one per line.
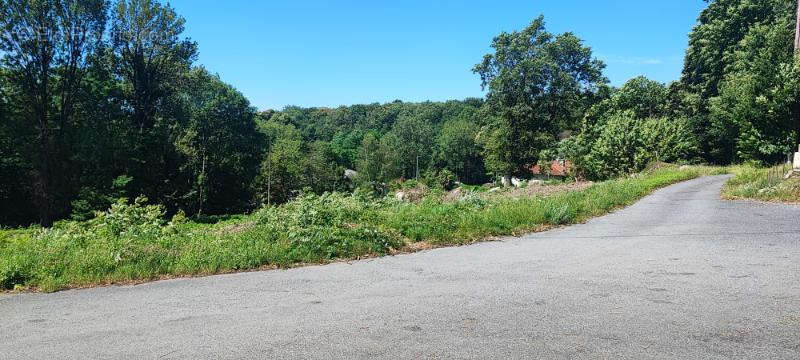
column 331, row 53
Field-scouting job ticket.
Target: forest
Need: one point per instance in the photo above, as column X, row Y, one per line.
column 102, row 100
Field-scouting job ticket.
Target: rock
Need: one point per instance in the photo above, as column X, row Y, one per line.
column 350, row 174
column 796, row 164
column 535, row 183
column 516, row 182
column 413, row 195
column 453, row 195
column 494, row 189
column 506, row 181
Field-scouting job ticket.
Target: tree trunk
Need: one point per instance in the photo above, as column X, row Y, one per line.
column 202, row 186
column 269, row 176
column 44, row 179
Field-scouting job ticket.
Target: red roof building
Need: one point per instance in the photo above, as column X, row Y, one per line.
column 557, row 168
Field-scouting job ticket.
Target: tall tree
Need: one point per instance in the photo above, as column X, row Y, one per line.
column 539, row 85
column 152, row 60
column 414, row 146
column 459, row 152
column 220, row 143
column 718, row 51
column 45, row 50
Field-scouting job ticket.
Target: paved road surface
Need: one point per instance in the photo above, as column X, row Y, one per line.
column 679, row 275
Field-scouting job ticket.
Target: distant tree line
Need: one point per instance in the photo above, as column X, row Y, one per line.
column 101, row 100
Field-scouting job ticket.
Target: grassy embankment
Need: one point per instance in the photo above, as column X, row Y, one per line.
column 131, row 242
column 763, row 184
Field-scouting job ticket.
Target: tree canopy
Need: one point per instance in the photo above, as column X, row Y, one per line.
column 102, row 99
column 539, row 84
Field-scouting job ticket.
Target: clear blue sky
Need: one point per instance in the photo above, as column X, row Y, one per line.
column 331, row 53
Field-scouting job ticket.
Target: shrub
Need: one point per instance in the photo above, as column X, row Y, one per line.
column 625, row 145
column 442, row 179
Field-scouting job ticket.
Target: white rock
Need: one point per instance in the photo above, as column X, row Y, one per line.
column 516, row 182
column 494, row 189
column 400, row 196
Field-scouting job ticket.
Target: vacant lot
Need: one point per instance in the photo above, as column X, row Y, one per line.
column 132, row 243
column 681, row 274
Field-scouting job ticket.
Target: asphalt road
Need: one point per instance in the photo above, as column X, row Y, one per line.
column 679, row 275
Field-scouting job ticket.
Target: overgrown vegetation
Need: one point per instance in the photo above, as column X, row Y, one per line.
column 123, row 112
column 133, row 241
column 86, row 120
column 767, row 184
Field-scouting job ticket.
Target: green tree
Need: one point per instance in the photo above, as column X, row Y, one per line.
column 282, row 169
column 538, row 85
column 459, row 152
column 620, row 148
column 152, row 60
column 414, row 144
column 220, row 143
column 645, row 97
column 724, row 65
column 760, row 124
column 45, row 51
column 323, row 173
column 370, row 159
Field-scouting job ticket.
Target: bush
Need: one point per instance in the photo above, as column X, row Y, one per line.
column 329, row 225
column 91, row 200
column 625, row 145
column 132, row 241
column 619, row 149
column 442, row 179
column 118, row 238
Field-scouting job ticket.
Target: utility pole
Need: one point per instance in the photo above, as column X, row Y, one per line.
column 269, row 171
column 797, row 29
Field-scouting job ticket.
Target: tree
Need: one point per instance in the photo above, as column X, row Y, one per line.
column 345, row 146
column 370, row 159
column 729, row 35
column 645, row 97
column 151, row 59
column 749, row 118
column 44, row 51
column 16, row 207
column 322, row 172
column 459, row 152
column 538, row 85
column 282, row 168
column 414, row 144
column 220, row 144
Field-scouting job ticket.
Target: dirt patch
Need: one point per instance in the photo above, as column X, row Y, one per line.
column 453, row 195
column 416, row 246
column 540, row 190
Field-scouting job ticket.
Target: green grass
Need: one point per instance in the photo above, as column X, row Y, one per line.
column 131, row 242
column 755, row 183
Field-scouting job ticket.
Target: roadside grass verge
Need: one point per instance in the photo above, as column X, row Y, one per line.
column 131, row 242
column 751, row 182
